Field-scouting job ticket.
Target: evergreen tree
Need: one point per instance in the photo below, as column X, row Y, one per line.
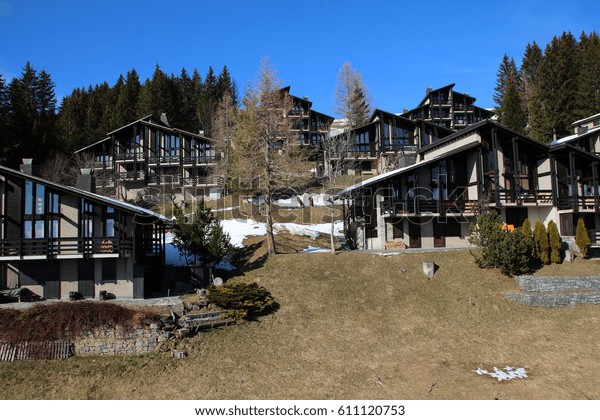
column 529, row 76
column 31, row 121
column 588, row 83
column 508, row 96
column 582, row 239
column 208, row 101
column 351, row 98
column 540, row 235
column 226, row 85
column 4, row 109
column 557, row 89
column 156, row 95
column 555, row 243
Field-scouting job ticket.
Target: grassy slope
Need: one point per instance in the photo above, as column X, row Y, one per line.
column 346, row 318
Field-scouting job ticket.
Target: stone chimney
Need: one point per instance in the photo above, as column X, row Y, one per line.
column 86, row 181
column 27, row 167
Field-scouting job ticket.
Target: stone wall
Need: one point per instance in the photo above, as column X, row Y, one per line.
column 557, row 291
column 557, row 283
column 114, row 341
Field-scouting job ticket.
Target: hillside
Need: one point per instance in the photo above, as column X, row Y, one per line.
column 346, row 319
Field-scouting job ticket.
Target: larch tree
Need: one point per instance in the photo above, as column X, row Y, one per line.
column 352, row 97
column 224, row 126
column 266, row 155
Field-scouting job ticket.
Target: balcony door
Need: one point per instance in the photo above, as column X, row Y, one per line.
column 414, row 233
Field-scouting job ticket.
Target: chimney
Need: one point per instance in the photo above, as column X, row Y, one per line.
column 164, row 119
column 86, row 181
column 27, row 167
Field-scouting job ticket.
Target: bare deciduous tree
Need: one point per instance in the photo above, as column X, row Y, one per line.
column 352, row 97
column 224, row 126
column 266, row 151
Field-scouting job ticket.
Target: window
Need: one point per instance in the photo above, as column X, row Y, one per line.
column 87, row 219
column 109, row 222
column 109, row 270
column 362, row 142
column 34, row 223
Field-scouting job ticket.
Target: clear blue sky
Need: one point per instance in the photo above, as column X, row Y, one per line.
column 400, row 47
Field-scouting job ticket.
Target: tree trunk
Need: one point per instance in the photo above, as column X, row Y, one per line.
column 332, row 213
column 270, row 236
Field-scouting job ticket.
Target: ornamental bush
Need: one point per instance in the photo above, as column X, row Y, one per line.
column 242, row 299
column 540, row 236
column 516, row 254
column 555, row 243
column 487, row 234
column 582, row 239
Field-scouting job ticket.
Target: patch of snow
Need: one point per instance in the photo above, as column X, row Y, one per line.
column 504, row 374
column 307, row 200
column 311, row 249
column 225, row 209
column 239, row 229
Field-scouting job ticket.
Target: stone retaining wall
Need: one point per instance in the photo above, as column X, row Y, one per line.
column 557, row 291
column 112, row 341
column 555, row 300
column 557, row 283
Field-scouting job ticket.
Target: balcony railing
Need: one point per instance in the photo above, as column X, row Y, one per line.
column 72, row 246
column 429, row 205
column 594, row 235
column 203, row 180
column 523, row 197
column 200, row 160
column 585, row 202
column 130, row 156
column 355, row 155
column 164, row 160
column 106, row 164
column 406, row 148
column 131, row 176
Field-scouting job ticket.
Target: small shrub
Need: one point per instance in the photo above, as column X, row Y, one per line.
column 487, row 234
column 65, row 320
column 529, row 241
column 555, row 243
column 516, row 254
column 243, row 300
column 582, row 239
column 541, row 240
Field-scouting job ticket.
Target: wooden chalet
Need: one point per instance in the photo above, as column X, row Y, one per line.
column 447, row 108
column 56, row 239
column 149, row 157
column 431, row 203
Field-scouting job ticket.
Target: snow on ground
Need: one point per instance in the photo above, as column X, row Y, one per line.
column 239, row 229
column 307, row 200
column 312, row 249
column 504, row 374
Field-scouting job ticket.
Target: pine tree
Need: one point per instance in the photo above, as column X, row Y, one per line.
column 588, row 82
column 541, row 239
column 557, row 89
column 529, row 75
column 555, row 243
column 508, row 96
column 582, row 239
column 352, row 98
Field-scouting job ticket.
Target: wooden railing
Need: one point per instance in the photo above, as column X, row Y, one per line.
column 74, row 246
column 420, row 206
column 523, row 196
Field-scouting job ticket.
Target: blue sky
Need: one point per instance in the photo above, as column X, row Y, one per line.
column 399, row 47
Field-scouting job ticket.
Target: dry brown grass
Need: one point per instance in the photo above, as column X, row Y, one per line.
column 344, row 319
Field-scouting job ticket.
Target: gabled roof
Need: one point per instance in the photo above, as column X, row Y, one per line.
column 389, row 114
column 450, row 86
column 89, row 146
column 574, row 137
column 112, row 202
column 586, row 119
column 143, row 119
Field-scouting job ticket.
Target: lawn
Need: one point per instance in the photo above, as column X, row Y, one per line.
column 345, row 319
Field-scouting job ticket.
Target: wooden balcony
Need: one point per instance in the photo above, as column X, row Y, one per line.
column 164, row 160
column 535, row 197
column 395, row 148
column 356, row 156
column 429, row 206
column 131, row 176
column 130, row 156
column 585, row 202
column 71, row 247
column 200, row 160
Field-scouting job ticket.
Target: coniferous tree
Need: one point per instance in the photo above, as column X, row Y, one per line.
column 588, row 82
column 508, row 96
column 529, row 76
column 4, row 107
column 540, row 235
column 582, row 239
column 352, row 98
column 555, row 243
column 557, row 89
